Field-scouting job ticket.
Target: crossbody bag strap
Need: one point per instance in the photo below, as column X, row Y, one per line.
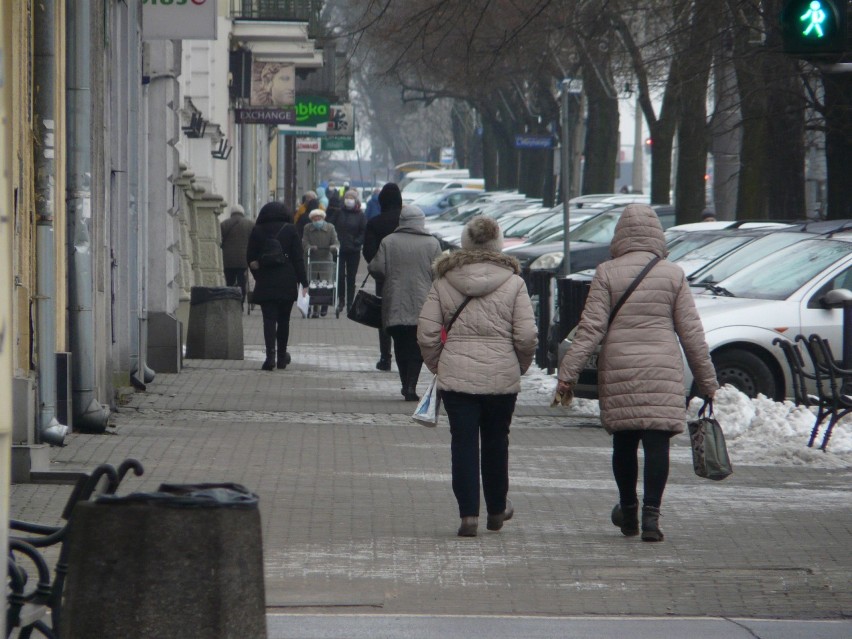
column 456, row 314
column 632, row 287
column 365, row 281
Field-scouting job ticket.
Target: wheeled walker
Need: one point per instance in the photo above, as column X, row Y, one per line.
column 322, row 284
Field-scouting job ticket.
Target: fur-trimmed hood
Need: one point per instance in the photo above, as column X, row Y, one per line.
column 475, row 272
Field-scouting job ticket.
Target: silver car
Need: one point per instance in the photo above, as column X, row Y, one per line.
column 780, row 295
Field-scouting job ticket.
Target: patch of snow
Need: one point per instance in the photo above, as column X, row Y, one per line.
column 758, row 431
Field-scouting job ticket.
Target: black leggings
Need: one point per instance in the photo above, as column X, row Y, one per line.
column 625, row 465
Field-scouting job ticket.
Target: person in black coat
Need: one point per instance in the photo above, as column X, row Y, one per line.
column 276, row 286
column 379, row 227
column 350, row 223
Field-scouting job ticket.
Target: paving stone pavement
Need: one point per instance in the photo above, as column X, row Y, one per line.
column 358, row 512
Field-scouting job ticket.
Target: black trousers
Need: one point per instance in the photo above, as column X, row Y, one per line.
column 236, row 277
column 384, row 337
column 346, row 279
column 406, row 351
column 276, row 326
column 474, row 418
column 625, row 465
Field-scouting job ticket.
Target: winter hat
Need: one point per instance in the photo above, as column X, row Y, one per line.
column 412, row 216
column 317, row 214
column 390, row 197
column 352, row 193
column 236, row 209
column 482, row 233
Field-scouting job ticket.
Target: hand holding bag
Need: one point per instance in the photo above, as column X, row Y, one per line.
column 427, row 409
column 366, row 308
column 709, row 452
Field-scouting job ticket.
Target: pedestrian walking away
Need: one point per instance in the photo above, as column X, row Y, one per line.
column 377, row 229
column 350, row 223
column 319, row 241
column 277, row 277
column 235, row 236
column 479, row 363
column 403, row 264
column 640, row 368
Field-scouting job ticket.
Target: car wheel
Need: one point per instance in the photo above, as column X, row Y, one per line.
column 746, row 372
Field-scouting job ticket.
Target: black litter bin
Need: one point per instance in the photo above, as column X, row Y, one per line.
column 185, row 561
column 215, row 327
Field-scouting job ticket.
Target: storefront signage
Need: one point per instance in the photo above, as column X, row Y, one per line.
column 179, row 19
column 308, row 145
column 341, row 121
column 265, row 115
column 338, row 143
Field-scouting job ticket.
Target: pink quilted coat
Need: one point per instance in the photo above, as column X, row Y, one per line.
column 640, row 367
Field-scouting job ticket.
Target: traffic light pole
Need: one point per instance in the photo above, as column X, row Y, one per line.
column 566, row 176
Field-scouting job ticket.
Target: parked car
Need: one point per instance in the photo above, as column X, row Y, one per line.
column 589, row 242
column 779, row 295
column 416, row 188
column 439, row 201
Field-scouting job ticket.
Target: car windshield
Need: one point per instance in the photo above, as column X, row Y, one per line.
column 782, row 273
column 599, row 229
column 742, row 257
column 419, row 187
column 686, row 242
column 711, row 250
column 430, row 199
column 523, row 226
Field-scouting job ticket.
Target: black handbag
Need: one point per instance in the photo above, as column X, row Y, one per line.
column 366, row 308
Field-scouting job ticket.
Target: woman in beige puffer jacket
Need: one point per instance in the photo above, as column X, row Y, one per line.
column 640, row 368
column 479, row 367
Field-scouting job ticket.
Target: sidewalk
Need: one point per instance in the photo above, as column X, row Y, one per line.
column 359, row 517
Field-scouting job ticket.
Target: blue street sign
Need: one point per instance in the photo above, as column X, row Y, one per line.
column 533, row 141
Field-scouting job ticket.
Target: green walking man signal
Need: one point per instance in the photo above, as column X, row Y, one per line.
column 814, row 28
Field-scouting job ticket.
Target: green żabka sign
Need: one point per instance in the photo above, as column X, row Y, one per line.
column 312, row 115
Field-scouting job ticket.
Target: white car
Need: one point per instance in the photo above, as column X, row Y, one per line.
column 780, row 295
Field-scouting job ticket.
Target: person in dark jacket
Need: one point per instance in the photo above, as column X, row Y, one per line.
column 350, row 223
column 276, row 286
column 377, row 229
column 235, row 235
column 373, row 206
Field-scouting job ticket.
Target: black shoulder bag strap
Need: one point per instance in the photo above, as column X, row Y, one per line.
column 456, row 314
column 632, row 287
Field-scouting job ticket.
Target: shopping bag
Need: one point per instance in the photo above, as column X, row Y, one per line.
column 303, row 302
column 427, row 409
column 709, row 452
column 366, row 309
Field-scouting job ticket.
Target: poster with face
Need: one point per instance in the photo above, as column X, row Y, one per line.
column 273, row 84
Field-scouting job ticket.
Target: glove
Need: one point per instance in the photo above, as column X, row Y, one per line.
column 564, row 394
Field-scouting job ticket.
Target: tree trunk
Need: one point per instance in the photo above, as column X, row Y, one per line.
column 601, row 146
column 691, row 185
column 838, row 143
column 726, row 137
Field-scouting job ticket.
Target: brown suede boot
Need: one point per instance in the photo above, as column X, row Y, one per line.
column 626, row 518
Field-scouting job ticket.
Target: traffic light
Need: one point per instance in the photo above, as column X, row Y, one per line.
column 649, row 144
column 811, row 28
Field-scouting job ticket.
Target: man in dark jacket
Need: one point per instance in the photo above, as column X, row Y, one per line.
column 385, row 223
column 235, row 236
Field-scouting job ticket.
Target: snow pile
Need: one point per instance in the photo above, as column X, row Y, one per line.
column 758, row 431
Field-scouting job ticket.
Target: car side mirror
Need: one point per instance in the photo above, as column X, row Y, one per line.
column 836, row 298
column 443, row 204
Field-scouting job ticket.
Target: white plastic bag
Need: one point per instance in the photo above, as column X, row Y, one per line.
column 429, row 405
column 303, row 302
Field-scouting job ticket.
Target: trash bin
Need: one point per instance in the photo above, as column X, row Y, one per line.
column 215, row 329
column 185, row 561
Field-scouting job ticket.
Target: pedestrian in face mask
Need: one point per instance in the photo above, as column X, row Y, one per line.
column 319, row 241
column 350, row 223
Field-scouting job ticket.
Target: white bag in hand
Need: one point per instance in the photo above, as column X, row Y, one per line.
column 427, row 409
column 303, row 302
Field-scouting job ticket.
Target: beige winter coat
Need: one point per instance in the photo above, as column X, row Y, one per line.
column 493, row 340
column 640, row 368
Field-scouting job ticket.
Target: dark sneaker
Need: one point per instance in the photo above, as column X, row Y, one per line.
column 268, row 365
column 283, row 361
column 495, row 522
column 383, row 364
